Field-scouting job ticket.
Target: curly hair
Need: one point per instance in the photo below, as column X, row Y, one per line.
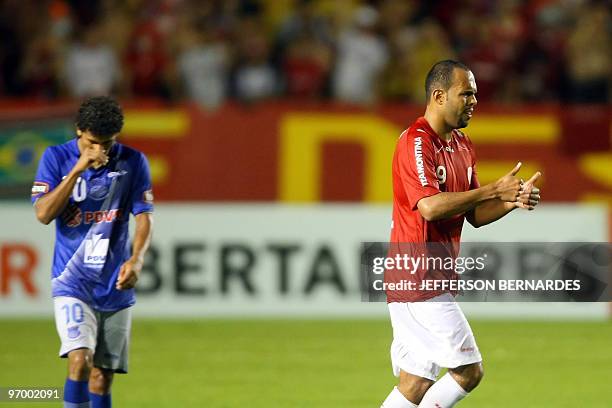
column 101, row 115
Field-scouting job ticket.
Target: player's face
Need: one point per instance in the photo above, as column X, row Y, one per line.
column 461, row 99
column 87, row 139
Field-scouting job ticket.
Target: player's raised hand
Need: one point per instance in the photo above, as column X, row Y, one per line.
column 508, row 187
column 92, row 156
column 530, row 194
column 128, row 274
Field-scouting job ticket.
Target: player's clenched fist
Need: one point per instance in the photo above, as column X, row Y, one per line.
column 530, row 194
column 93, row 156
column 128, row 274
column 508, row 188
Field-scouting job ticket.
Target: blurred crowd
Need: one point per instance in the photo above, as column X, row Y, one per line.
column 358, row 52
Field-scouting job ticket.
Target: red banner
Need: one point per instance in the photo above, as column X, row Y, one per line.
column 280, row 151
column 283, row 152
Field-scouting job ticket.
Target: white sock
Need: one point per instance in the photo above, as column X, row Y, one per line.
column 397, row 400
column 445, row 393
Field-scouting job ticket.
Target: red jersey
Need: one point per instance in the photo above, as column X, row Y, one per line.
column 424, row 165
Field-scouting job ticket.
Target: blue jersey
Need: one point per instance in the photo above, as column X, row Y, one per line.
column 92, row 239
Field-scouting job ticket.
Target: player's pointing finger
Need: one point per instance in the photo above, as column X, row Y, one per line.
column 534, row 178
column 515, row 169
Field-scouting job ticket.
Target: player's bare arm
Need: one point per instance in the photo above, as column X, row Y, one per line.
column 130, row 270
column 49, row 206
column 445, row 204
column 492, row 210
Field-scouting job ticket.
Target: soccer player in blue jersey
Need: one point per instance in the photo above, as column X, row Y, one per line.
column 89, row 186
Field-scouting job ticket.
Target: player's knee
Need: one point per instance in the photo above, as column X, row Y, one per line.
column 468, row 376
column 80, row 363
column 413, row 387
column 100, row 381
column 476, row 375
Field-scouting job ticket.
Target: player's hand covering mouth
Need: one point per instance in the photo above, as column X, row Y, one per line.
column 102, row 162
column 99, row 164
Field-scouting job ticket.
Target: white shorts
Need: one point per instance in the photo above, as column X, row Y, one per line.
column 107, row 334
column 430, row 335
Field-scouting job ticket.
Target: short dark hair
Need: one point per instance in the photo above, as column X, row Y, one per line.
column 441, row 76
column 101, row 115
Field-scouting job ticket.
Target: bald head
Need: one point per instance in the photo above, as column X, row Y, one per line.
column 451, row 95
column 440, row 76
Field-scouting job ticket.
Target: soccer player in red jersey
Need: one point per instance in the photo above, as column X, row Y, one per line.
column 435, row 187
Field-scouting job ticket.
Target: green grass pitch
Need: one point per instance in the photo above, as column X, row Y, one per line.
column 325, row 363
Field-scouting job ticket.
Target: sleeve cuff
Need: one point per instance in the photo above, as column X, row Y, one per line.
column 426, row 192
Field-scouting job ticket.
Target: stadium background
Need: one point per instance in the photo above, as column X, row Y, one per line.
column 270, row 128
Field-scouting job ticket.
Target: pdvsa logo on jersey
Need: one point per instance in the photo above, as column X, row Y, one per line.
column 98, row 217
column 72, row 215
column 96, row 249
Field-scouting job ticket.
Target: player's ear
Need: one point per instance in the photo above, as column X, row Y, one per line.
column 439, row 96
column 79, row 132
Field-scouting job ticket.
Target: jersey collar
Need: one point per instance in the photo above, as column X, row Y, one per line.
column 423, row 124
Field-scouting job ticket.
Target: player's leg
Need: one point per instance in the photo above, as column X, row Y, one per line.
column 461, row 354
column 412, row 386
column 111, row 355
column 77, row 328
column 453, row 386
column 75, row 387
column 80, row 362
column 468, row 376
column 409, row 392
column 100, row 382
column 411, row 358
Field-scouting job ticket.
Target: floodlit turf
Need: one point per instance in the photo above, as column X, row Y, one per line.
column 267, row 363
